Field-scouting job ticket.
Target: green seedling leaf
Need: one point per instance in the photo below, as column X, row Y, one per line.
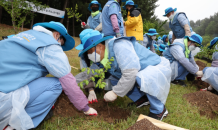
column 83, row 69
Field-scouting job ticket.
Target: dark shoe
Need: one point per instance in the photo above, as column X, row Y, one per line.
column 49, row 115
column 143, row 101
column 179, row 82
column 159, row 116
column 190, row 77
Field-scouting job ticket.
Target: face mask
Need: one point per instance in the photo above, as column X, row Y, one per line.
column 95, row 57
column 191, row 48
column 94, row 9
column 153, row 37
column 171, row 17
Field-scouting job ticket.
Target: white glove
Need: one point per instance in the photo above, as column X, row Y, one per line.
column 110, row 96
column 92, row 97
column 91, row 112
column 199, row 74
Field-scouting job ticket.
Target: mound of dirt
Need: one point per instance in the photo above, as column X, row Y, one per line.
column 200, row 84
column 64, row 108
column 206, row 101
column 201, row 65
column 144, row 124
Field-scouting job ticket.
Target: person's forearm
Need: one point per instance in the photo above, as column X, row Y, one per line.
column 126, row 82
column 114, row 22
column 74, row 93
column 188, row 65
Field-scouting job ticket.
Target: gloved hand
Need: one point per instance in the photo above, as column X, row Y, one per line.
column 118, row 35
column 110, row 96
column 92, row 97
column 199, row 74
column 91, row 112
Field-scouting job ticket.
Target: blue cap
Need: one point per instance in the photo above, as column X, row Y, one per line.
column 196, row 38
column 96, row 3
column 130, row 2
column 162, row 47
column 168, row 10
column 213, row 42
column 164, row 38
column 69, row 43
column 159, row 37
column 90, row 38
column 152, row 32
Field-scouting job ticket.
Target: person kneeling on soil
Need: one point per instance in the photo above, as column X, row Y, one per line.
column 181, row 60
column 136, row 72
column 211, row 73
column 26, row 95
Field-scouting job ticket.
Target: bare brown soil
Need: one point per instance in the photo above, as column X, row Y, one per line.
column 199, row 83
column 144, row 124
column 64, row 108
column 206, row 101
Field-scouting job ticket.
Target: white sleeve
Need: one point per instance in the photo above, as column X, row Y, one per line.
column 54, row 59
column 182, row 20
column 125, row 55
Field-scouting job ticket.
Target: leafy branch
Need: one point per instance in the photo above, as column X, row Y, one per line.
column 98, row 73
column 73, row 13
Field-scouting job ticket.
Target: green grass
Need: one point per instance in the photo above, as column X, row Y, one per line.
column 181, row 113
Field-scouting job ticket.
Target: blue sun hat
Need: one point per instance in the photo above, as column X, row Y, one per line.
column 130, row 2
column 196, row 38
column 164, row 38
column 90, row 38
column 96, row 3
column 69, row 43
column 152, row 32
column 162, row 47
column 168, row 10
column 159, row 37
column 213, row 42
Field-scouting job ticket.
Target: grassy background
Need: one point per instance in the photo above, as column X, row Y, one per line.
column 181, row 113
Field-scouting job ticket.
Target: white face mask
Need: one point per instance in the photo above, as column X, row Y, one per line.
column 191, row 48
column 95, row 57
column 171, row 17
column 153, row 37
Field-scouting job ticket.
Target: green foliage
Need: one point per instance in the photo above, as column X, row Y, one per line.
column 73, row 13
column 20, row 9
column 100, row 74
column 158, row 25
column 206, row 53
column 206, row 40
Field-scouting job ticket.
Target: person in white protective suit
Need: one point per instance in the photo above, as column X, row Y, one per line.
column 182, row 62
column 26, row 95
column 136, row 72
column 211, row 73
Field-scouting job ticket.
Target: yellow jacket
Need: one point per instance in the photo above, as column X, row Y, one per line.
column 134, row 24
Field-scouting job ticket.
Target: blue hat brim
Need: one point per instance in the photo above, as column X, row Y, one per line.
column 169, row 12
column 211, row 45
column 135, row 6
column 161, row 49
column 93, row 45
column 69, row 43
column 152, row 34
column 191, row 39
column 89, row 8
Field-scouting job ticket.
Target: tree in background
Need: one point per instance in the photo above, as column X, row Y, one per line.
column 19, row 10
column 158, row 25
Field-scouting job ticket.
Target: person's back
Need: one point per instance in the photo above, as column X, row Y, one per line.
column 22, row 61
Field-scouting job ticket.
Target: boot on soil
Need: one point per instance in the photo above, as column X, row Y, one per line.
column 50, row 114
column 190, row 77
column 159, row 116
column 143, row 101
column 179, row 82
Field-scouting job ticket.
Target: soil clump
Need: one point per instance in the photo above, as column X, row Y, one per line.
column 199, row 83
column 201, row 65
column 144, row 124
column 64, row 108
column 205, row 101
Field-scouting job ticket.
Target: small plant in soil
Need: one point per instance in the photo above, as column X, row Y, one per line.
column 98, row 73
